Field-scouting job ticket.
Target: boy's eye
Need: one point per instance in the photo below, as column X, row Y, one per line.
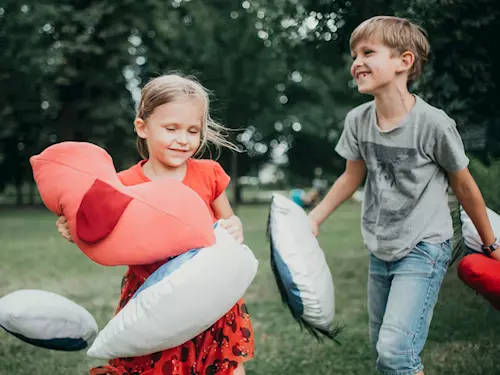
column 170, row 129
column 368, row 52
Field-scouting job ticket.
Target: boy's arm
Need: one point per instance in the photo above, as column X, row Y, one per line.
column 471, row 199
column 449, row 153
column 343, row 188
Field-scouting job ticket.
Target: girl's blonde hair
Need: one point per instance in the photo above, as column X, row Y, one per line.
column 170, row 87
column 398, row 34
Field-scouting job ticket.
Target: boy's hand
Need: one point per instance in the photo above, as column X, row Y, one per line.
column 63, row 228
column 314, row 226
column 234, row 227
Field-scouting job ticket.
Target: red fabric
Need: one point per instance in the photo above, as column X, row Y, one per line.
column 205, row 177
column 100, row 209
column 482, row 274
column 219, row 349
column 64, row 174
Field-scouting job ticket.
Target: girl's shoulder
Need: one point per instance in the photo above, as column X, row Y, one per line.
column 133, row 175
column 208, row 167
column 207, row 175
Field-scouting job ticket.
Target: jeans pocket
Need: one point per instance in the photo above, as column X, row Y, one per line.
column 431, row 252
column 436, row 254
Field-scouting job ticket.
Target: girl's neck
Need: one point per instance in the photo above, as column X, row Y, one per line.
column 155, row 169
column 392, row 106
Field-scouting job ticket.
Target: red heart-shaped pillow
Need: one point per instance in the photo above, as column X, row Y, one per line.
column 115, row 224
column 483, row 275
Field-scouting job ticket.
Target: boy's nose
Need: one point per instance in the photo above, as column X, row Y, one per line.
column 357, row 62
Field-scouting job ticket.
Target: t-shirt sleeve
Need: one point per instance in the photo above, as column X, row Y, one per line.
column 347, row 146
column 449, row 150
column 221, row 180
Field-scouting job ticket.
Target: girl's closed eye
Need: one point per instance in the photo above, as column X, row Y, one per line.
column 170, row 128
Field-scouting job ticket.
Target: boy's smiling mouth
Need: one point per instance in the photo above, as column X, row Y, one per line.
column 362, row 74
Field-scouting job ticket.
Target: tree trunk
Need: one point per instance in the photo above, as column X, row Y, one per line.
column 19, row 192
column 32, row 192
column 237, row 198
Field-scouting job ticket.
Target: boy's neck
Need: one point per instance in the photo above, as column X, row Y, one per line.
column 392, row 106
column 155, row 169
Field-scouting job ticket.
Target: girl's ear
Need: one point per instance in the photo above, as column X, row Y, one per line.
column 140, row 127
column 407, row 60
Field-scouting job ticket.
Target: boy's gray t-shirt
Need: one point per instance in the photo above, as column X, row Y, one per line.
column 405, row 196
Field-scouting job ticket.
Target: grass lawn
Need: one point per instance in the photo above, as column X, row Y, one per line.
column 464, row 337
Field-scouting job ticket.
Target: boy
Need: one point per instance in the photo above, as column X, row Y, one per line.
column 410, row 152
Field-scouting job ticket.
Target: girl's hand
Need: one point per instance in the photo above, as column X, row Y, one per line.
column 63, row 228
column 234, row 227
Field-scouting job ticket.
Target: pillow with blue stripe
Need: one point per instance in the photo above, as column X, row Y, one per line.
column 470, row 234
column 300, row 268
column 180, row 300
column 47, row 320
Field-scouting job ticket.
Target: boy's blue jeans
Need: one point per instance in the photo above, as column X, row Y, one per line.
column 401, row 299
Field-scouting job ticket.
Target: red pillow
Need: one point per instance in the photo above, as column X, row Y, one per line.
column 483, row 275
column 115, row 224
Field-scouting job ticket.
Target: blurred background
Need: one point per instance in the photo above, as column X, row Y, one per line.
column 279, row 74
column 278, row 71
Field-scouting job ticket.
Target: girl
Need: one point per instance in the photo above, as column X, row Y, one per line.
column 173, row 125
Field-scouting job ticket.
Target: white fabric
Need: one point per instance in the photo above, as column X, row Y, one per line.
column 41, row 315
column 183, row 304
column 469, row 232
column 292, row 238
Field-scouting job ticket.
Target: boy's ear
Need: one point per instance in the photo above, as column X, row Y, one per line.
column 407, row 60
column 140, row 127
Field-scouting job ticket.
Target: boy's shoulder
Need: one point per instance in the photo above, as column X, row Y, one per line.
column 360, row 112
column 432, row 118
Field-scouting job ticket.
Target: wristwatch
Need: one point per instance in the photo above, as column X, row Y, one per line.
column 489, row 249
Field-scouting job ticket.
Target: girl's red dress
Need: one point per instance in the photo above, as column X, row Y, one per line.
column 219, row 349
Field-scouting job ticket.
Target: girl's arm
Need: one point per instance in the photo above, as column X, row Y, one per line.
column 221, row 207
column 471, row 199
column 232, row 223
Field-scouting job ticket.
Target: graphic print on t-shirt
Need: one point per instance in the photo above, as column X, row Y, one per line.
column 390, row 197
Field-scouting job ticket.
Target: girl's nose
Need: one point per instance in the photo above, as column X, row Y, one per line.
column 182, row 138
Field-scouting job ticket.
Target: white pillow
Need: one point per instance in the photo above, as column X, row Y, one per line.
column 180, row 300
column 47, row 320
column 299, row 266
column 469, row 232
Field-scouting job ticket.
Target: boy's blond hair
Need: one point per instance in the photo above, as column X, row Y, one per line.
column 398, row 34
column 171, row 87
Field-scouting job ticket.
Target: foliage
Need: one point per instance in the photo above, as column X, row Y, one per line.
column 279, row 69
